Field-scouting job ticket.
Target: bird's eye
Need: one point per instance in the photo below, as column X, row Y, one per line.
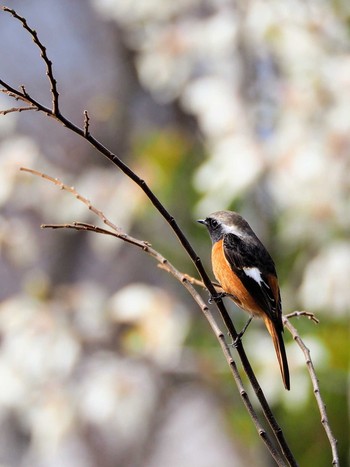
column 214, row 223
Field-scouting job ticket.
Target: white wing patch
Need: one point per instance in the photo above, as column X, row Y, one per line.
column 255, row 274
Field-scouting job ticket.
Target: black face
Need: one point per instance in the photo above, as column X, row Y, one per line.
column 214, row 228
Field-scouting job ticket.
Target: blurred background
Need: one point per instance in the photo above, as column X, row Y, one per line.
column 219, row 104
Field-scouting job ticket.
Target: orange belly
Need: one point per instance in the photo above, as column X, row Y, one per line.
column 230, row 283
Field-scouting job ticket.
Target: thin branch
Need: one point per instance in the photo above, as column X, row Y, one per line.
column 16, row 109
column 86, row 123
column 87, row 203
column 314, row 380
column 145, row 246
column 23, row 89
column 17, row 95
column 48, row 63
column 307, row 314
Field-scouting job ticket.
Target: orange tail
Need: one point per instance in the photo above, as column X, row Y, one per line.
column 280, row 351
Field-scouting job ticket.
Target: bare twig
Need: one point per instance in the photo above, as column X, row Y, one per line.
column 54, row 113
column 73, row 191
column 307, row 314
column 314, row 380
column 86, row 123
column 18, row 96
column 16, row 109
column 200, row 283
column 48, row 63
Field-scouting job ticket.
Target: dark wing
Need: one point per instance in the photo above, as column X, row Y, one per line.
column 254, row 266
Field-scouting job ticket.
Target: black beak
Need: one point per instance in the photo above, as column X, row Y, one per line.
column 202, row 221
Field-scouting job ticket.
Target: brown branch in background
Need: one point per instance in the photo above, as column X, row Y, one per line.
column 16, row 109
column 184, row 279
column 200, row 283
column 54, row 113
column 314, row 380
column 307, row 314
column 23, row 89
column 73, row 191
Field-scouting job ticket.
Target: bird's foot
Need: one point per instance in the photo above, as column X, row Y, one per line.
column 238, row 339
column 217, row 297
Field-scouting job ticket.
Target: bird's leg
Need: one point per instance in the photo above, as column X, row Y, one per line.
column 219, row 296
column 239, row 336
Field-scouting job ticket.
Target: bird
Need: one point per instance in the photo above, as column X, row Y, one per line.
column 247, row 274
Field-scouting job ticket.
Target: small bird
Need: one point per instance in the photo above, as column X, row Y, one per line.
column 247, row 274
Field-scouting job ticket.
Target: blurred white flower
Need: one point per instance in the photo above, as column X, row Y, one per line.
column 14, row 153
column 325, row 285
column 119, row 392
column 216, row 106
column 34, row 342
column 87, row 301
column 13, row 391
column 133, row 11
column 260, row 347
column 159, row 323
column 50, row 418
column 235, row 164
column 7, row 125
column 18, row 241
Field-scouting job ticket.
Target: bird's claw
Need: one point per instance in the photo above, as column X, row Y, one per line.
column 238, row 339
column 217, row 297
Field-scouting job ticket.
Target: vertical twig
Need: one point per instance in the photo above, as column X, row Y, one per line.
column 86, row 123
column 43, row 54
column 321, row 405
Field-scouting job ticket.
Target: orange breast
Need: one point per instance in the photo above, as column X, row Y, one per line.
column 230, row 282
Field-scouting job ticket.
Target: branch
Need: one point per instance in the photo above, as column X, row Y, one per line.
column 86, row 123
column 307, row 314
column 54, row 113
column 16, row 109
column 73, row 191
column 48, row 63
column 314, row 380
